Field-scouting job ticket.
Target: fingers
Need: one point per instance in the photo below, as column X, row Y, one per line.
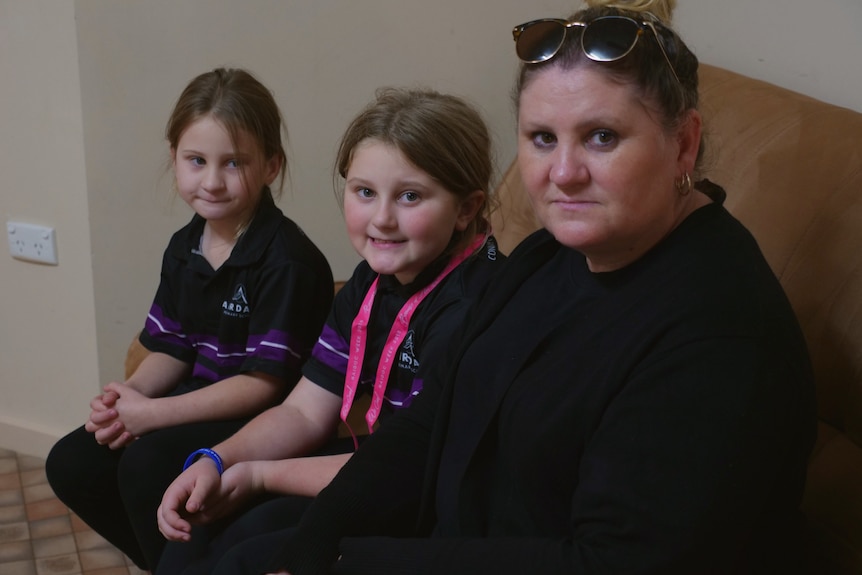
column 204, row 487
column 172, row 526
column 123, row 440
column 112, row 390
column 109, row 434
column 101, row 418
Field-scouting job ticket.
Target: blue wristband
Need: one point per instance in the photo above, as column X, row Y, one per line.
column 209, row 453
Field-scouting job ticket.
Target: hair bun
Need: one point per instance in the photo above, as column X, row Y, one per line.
column 661, row 9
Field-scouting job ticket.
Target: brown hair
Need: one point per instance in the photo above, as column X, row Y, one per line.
column 440, row 134
column 239, row 102
column 645, row 66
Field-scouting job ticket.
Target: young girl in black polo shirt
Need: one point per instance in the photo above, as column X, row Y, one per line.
column 243, row 294
column 416, row 167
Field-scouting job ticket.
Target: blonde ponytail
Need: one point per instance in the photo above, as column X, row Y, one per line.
column 661, row 9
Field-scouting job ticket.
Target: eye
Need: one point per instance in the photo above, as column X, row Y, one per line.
column 543, row 139
column 364, row 193
column 602, row 138
column 410, row 197
column 234, row 163
column 197, row 161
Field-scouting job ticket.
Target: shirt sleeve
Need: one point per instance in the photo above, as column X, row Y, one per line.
column 162, row 331
column 291, row 301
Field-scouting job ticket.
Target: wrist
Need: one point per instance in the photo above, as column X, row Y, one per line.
column 207, row 453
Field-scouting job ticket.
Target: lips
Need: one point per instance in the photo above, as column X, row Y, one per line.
column 386, row 243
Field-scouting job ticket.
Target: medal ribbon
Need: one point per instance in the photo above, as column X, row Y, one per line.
column 359, row 336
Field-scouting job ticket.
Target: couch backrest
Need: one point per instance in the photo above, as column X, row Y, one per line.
column 792, row 169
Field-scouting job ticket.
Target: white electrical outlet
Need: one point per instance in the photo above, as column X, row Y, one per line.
column 32, row 243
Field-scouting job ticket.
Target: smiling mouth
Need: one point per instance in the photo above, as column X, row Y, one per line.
column 382, row 242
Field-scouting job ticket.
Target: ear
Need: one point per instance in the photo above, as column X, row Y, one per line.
column 173, row 157
column 469, row 209
column 272, row 169
column 688, row 138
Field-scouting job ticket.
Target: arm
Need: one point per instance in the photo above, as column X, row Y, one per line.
column 231, row 398
column 673, row 480
column 297, row 476
column 300, row 424
column 158, row 373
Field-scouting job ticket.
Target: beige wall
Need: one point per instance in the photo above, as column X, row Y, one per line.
column 48, row 353
column 86, row 87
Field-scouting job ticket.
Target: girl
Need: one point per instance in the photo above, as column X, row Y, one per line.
column 416, row 166
column 243, row 293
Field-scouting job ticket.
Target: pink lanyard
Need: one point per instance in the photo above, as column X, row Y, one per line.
column 359, row 335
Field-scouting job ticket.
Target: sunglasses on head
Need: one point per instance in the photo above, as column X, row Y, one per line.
column 604, row 39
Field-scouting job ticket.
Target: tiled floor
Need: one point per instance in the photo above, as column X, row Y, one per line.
column 38, row 534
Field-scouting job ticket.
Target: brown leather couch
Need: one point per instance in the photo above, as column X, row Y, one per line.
column 792, row 169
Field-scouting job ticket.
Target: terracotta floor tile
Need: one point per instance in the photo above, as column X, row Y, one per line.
column 40, row 492
column 89, row 539
column 19, row 568
column 33, row 477
column 38, row 533
column 50, row 527
column 15, row 551
column 101, row 559
column 28, row 462
column 108, row 571
column 54, row 546
column 8, row 465
column 14, row 532
column 12, row 514
column 59, row 565
column 78, row 524
column 10, row 481
column 44, row 509
column 11, row 497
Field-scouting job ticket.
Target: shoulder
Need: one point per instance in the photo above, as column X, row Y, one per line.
column 280, row 243
column 479, row 269
column 358, row 284
column 185, row 239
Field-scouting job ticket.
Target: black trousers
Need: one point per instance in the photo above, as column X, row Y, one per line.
column 117, row 492
column 243, row 543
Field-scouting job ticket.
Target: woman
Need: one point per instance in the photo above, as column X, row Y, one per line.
column 634, row 393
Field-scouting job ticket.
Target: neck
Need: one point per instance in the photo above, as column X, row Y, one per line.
column 217, row 243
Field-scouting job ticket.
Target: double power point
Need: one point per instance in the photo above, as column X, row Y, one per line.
column 32, row 243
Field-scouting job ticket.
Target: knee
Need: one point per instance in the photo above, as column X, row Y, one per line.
column 69, row 461
column 137, row 462
column 147, row 465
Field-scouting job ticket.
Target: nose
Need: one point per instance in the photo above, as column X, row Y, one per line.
column 568, row 168
column 384, row 215
column 212, row 180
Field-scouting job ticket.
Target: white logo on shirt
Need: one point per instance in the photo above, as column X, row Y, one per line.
column 238, row 304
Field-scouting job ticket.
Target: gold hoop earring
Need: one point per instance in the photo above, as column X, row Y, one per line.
column 684, row 185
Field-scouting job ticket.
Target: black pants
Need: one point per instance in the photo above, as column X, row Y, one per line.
column 243, row 544
column 246, row 542
column 117, row 492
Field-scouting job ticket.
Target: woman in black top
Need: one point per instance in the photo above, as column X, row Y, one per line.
column 634, row 394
